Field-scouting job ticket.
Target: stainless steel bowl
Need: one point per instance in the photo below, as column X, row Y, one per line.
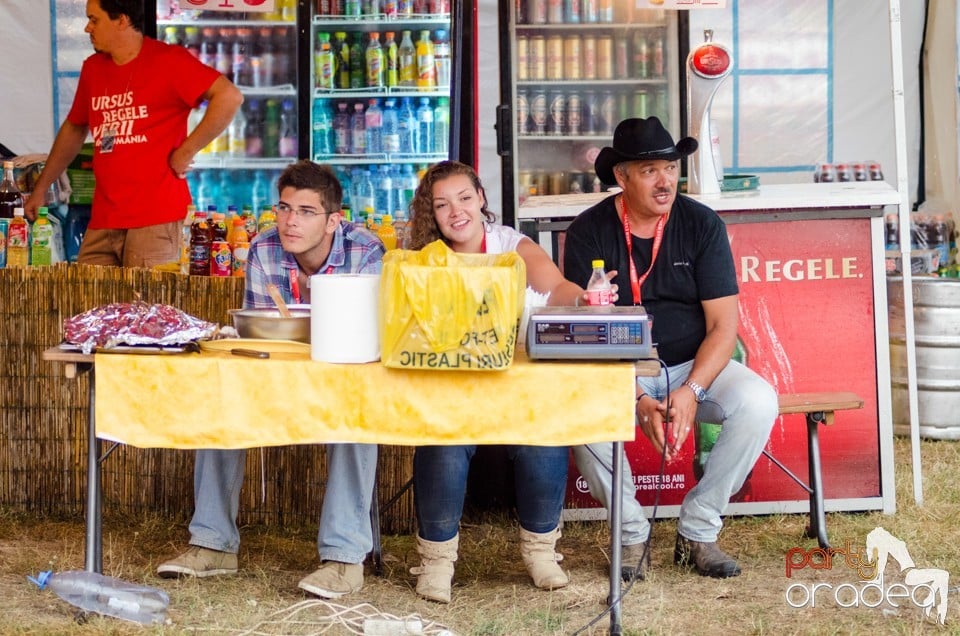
column 269, row 324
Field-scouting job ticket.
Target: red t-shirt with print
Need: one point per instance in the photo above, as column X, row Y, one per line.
column 137, row 114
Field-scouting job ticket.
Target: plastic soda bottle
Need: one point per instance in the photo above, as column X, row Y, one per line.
column 425, row 135
column 358, row 127
column 441, row 54
column 10, row 196
column 200, row 239
column 341, row 51
column 4, row 227
column 239, row 247
column 373, row 121
column 357, row 63
column 386, row 233
column 324, row 63
column 249, row 221
column 392, row 56
column 18, row 240
column 375, row 63
column 268, row 218
column 185, row 240
column 41, row 243
column 407, row 60
column 426, row 64
column 441, row 126
column 598, row 287
column 94, row 592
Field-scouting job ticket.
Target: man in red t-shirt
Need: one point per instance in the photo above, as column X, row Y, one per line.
column 134, row 96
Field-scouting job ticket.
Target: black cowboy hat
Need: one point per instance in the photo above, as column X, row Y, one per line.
column 637, row 139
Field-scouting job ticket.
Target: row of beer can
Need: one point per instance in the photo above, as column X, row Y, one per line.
column 572, row 113
column 639, row 55
column 564, row 11
column 543, row 182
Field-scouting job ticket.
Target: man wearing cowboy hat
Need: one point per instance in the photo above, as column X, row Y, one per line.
column 672, row 255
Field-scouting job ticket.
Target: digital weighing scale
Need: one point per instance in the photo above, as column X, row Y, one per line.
column 589, row 333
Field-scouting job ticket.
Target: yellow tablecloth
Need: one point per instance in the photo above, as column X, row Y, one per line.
column 218, row 400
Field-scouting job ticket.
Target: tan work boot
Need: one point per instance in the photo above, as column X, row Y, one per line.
column 333, row 579
column 634, row 561
column 705, row 557
column 199, row 562
column 435, row 572
column 541, row 560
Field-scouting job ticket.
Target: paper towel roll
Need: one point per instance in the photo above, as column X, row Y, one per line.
column 344, row 311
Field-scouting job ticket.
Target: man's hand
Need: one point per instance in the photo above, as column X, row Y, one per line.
column 180, row 161
column 667, row 432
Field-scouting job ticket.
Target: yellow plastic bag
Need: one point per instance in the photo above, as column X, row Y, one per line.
column 444, row 310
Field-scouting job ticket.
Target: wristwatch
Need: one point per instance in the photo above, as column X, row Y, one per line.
column 698, row 391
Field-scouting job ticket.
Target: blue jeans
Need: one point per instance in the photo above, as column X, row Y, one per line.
column 345, row 534
column 440, row 484
column 739, row 399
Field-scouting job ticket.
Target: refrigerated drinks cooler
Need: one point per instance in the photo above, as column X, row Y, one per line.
column 381, row 101
column 580, row 67
column 364, row 86
column 258, row 52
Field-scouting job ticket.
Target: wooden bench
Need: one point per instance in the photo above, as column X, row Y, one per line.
column 819, row 408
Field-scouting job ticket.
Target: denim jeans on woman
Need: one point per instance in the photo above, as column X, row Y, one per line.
column 440, row 484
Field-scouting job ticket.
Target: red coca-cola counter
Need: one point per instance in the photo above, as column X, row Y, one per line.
column 813, row 317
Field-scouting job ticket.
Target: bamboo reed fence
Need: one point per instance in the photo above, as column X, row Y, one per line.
column 43, row 415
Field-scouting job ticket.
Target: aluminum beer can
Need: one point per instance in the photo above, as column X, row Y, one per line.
column 523, row 58
column 537, row 11
column 557, row 113
column 523, row 112
column 538, row 112
column 524, row 184
column 588, row 57
column 555, row 57
column 589, row 11
column 621, row 56
column 571, row 57
column 575, row 183
column 573, row 113
column 589, row 113
column 538, row 58
column 605, row 10
column 605, row 57
column 558, row 182
column 571, row 11
column 555, row 11
column 640, row 103
column 608, row 113
column 541, row 183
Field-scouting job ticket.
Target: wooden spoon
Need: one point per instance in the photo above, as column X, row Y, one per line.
column 278, row 299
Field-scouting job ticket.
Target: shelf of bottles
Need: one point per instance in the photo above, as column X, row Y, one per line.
column 258, row 53
column 580, row 68
column 380, row 109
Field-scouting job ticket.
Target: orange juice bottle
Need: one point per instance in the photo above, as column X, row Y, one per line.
column 386, row 233
column 240, row 247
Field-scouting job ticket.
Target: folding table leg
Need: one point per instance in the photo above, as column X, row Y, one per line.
column 94, row 535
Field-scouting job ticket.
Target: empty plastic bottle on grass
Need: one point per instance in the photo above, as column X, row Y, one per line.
column 598, row 287
column 93, row 592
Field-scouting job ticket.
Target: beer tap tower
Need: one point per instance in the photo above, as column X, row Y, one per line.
column 707, row 66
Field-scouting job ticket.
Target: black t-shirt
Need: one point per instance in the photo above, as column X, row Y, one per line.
column 694, row 264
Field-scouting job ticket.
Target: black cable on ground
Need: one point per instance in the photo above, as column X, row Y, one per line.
column 611, row 603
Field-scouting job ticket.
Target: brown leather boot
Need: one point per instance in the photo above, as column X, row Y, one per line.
column 634, row 561
column 706, row 558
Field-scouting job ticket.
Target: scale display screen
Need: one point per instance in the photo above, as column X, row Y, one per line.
column 611, row 333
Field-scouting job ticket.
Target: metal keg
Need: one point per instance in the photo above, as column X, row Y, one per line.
column 936, row 321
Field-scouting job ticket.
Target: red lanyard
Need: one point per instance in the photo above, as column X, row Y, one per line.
column 483, row 242
column 294, row 285
column 636, row 281
column 295, row 282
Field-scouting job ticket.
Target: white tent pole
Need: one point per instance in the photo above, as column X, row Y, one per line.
column 899, row 117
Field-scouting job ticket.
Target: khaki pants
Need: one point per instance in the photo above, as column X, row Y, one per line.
column 136, row 247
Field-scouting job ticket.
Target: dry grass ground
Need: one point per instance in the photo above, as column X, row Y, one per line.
column 492, row 593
